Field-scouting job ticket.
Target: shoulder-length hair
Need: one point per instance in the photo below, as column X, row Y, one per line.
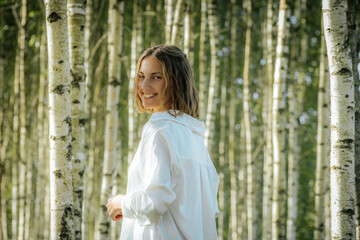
column 179, row 81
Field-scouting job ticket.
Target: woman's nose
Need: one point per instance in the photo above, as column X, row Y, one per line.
column 144, row 83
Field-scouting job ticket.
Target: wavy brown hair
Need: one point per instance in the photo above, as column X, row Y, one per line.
column 179, row 81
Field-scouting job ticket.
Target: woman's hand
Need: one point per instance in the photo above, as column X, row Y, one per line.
column 114, row 207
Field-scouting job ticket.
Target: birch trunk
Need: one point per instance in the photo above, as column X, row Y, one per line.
column 247, row 123
column 178, row 22
column 202, row 62
column 113, row 91
column 15, row 163
column 76, row 21
column 295, row 100
column 116, row 229
column 131, row 102
column 234, row 200
column 4, row 138
column 168, row 22
column 351, row 22
column 323, row 134
column 223, row 115
column 268, row 160
column 213, row 85
column 242, row 175
column 23, row 160
column 87, row 61
column 61, row 190
column 41, row 175
column 89, row 212
column 88, row 82
column 342, row 123
column 188, row 29
column 280, row 71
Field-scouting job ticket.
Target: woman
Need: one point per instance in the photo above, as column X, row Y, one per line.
column 172, row 182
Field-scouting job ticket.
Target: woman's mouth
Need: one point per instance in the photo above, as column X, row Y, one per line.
column 148, row 96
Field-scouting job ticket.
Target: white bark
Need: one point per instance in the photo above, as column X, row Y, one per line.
column 111, row 129
column 295, row 92
column 188, row 29
column 268, row 160
column 323, row 137
column 202, row 62
column 177, row 23
column 23, row 160
column 88, row 86
column 76, row 21
column 42, row 142
column 61, row 190
column 351, row 22
column 168, row 20
column 131, row 102
column 213, row 85
column 342, row 123
column 280, row 71
column 246, row 111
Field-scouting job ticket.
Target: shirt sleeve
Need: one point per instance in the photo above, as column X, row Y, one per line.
column 149, row 205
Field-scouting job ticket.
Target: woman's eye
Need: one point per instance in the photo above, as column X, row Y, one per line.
column 141, row 77
column 157, row 77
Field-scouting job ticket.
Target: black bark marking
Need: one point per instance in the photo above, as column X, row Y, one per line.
column 114, row 82
column 53, row 17
column 65, row 231
column 68, row 122
column 344, row 71
column 59, row 89
column 60, row 61
column 76, row 101
column 350, row 212
column 62, row 138
column 344, row 143
column 58, row 174
column 82, row 121
column 69, row 152
column 75, row 80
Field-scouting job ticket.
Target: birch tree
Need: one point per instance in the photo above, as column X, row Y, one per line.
column 213, row 84
column 88, row 82
column 76, row 21
column 202, row 61
column 280, row 71
column 351, row 22
column 323, row 134
column 268, row 163
column 177, row 23
column 169, row 18
column 113, row 92
column 131, row 103
column 295, row 93
column 246, row 110
column 22, row 115
column 342, row 123
column 61, row 189
column 234, row 200
column 115, row 229
column 42, row 178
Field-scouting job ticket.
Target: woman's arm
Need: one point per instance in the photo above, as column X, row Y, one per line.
column 148, row 205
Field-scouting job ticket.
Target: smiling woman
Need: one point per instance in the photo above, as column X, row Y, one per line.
column 151, row 85
column 172, row 182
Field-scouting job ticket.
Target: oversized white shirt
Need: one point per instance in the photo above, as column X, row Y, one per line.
column 172, row 183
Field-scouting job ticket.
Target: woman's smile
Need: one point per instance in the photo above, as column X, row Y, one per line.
column 151, row 84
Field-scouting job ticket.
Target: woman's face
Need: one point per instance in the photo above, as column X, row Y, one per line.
column 151, row 84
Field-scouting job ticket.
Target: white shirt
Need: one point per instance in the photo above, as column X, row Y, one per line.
column 172, row 183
